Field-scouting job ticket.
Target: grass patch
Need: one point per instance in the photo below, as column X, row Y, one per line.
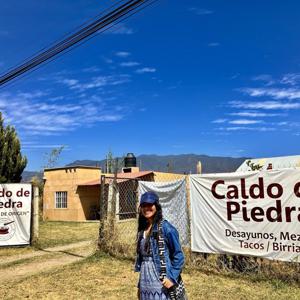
column 104, row 277
column 53, row 234
column 61, row 233
column 11, row 251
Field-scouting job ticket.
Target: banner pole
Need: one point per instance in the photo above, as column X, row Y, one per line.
column 36, row 199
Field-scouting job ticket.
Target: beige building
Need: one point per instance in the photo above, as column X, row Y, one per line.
column 73, row 193
column 61, row 200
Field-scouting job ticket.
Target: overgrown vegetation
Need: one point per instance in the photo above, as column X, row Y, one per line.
column 12, row 163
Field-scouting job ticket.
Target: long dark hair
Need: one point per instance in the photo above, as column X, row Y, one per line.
column 143, row 224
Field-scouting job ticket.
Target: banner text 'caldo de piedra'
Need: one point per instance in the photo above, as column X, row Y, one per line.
column 259, row 190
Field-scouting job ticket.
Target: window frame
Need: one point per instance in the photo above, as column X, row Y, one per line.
column 61, row 199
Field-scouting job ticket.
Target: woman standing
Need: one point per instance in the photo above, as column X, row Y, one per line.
column 153, row 285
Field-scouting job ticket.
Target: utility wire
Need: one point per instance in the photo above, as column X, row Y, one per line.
column 73, row 39
column 24, row 75
column 65, row 35
column 101, row 24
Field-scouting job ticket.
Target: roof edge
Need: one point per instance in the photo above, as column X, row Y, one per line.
column 72, row 167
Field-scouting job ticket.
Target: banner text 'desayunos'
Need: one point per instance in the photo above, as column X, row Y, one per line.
column 255, row 213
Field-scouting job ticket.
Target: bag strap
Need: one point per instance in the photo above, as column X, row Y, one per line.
column 161, row 251
column 162, row 258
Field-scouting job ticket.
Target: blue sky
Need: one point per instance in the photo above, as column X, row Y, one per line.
column 206, row 77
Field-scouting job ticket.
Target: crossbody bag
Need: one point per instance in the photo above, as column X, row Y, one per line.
column 177, row 291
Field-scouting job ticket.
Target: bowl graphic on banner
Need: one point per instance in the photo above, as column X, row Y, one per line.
column 7, row 229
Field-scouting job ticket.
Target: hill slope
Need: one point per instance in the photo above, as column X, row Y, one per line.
column 184, row 163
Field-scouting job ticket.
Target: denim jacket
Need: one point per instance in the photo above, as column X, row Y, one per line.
column 173, row 252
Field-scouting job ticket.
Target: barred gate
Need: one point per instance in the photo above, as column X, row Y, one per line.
column 118, row 216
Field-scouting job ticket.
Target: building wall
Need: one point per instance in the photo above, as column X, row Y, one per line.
column 66, row 180
column 81, row 199
column 161, row 176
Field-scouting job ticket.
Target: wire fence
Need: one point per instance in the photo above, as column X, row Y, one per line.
column 118, row 233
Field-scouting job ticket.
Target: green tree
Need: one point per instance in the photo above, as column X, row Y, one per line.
column 12, row 163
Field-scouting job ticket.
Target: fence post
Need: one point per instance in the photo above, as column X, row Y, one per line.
column 35, row 214
column 114, row 199
column 101, row 213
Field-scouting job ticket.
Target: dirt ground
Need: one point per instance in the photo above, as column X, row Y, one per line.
column 23, row 265
column 73, row 272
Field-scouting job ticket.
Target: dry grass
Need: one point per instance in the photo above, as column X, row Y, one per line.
column 57, row 233
column 104, row 277
column 53, row 234
column 61, row 233
column 119, row 238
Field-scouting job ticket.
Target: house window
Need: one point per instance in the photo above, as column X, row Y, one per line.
column 60, row 199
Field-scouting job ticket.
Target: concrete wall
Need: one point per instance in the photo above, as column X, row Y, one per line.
column 160, row 176
column 67, row 180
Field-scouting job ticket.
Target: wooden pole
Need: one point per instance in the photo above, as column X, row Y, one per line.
column 35, row 214
column 101, row 212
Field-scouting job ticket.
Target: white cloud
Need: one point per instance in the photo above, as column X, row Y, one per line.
column 69, row 82
column 291, row 79
column 235, row 76
column 219, row 121
column 120, row 29
column 275, row 93
column 108, row 60
column 96, row 82
column 32, row 95
column 122, row 54
column 145, row 70
column 264, row 105
column 129, row 64
column 254, row 114
column 282, row 123
column 200, row 11
column 39, row 146
column 266, row 78
column 244, row 128
column 92, row 69
column 288, row 124
column 245, row 122
column 36, row 117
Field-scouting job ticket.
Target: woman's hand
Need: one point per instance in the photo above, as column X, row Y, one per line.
column 167, row 283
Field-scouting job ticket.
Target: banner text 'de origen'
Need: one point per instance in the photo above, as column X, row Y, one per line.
column 254, row 213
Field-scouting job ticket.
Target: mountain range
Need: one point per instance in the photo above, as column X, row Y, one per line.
column 182, row 164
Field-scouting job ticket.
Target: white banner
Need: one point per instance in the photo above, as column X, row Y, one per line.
column 253, row 213
column 172, row 197
column 15, row 214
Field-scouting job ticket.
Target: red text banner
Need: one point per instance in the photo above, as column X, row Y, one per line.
column 254, row 213
column 15, row 214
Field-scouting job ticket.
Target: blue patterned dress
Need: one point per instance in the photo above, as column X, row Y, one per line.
column 150, row 286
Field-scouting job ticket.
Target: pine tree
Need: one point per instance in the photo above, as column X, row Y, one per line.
column 12, row 163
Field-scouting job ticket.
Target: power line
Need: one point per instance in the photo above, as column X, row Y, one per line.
column 103, row 23
column 68, row 33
